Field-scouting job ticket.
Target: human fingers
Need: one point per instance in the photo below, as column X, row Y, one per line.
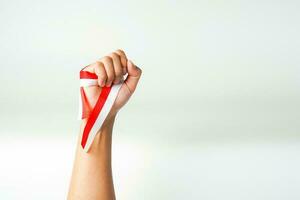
column 124, row 59
column 118, row 68
column 109, row 69
column 134, row 74
column 101, row 73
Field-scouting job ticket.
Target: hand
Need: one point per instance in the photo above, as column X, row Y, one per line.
column 110, row 70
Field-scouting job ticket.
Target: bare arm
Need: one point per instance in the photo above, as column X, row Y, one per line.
column 92, row 172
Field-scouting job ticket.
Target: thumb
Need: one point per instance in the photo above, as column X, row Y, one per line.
column 134, row 74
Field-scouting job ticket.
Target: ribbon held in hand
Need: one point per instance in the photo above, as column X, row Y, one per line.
column 96, row 117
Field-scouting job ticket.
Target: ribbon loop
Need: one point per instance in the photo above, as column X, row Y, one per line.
column 99, row 112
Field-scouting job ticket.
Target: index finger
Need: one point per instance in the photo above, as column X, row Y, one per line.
column 123, row 58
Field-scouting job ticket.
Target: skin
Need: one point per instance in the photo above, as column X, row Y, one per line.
column 92, row 173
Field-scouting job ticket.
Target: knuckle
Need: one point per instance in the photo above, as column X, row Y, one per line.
column 98, row 68
column 98, row 64
column 120, row 51
column 114, row 55
column 107, row 59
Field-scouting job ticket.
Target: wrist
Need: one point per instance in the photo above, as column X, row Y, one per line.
column 109, row 122
column 103, row 136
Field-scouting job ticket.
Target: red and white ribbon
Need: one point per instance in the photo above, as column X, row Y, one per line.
column 96, row 117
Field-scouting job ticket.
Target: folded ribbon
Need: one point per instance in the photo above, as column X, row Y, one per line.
column 96, row 117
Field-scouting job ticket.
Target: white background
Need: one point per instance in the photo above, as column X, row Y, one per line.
column 216, row 115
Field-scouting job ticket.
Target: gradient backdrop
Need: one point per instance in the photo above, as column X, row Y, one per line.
column 216, row 114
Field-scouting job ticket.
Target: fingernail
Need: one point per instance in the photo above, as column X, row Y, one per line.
column 100, row 83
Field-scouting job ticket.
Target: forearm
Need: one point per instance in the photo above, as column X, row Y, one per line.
column 92, row 173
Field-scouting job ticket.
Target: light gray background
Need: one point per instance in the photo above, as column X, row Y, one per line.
column 216, row 114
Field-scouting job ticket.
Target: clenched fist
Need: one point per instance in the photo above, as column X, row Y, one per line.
column 112, row 69
column 92, row 177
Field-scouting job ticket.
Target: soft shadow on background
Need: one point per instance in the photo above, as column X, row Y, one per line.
column 216, row 115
